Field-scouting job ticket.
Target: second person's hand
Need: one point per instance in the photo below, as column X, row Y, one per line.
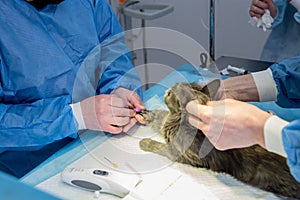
column 257, row 8
column 229, row 123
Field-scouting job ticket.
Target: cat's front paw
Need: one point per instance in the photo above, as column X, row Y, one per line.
column 145, row 144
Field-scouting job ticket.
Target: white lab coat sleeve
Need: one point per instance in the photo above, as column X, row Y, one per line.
column 273, row 135
column 265, row 84
column 78, row 115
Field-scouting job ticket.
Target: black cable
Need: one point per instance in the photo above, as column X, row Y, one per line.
column 212, row 30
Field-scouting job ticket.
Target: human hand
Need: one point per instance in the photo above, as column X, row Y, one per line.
column 258, row 7
column 229, row 123
column 132, row 99
column 106, row 113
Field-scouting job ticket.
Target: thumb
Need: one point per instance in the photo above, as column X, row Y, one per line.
column 196, row 109
column 272, row 7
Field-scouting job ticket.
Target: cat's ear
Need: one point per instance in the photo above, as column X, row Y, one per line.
column 184, row 93
column 211, row 87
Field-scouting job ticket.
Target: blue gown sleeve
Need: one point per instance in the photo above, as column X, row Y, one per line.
column 281, row 9
column 31, row 126
column 284, row 6
column 291, row 142
column 287, row 78
column 115, row 55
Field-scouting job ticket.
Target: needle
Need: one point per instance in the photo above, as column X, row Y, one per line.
column 112, row 163
column 137, row 173
column 139, row 111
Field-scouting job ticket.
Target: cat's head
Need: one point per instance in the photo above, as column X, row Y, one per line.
column 177, row 129
column 180, row 94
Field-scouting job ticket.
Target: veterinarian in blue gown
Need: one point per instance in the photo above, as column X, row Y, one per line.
column 283, row 41
column 230, row 123
column 58, row 63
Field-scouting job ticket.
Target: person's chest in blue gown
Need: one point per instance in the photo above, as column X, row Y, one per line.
column 41, row 51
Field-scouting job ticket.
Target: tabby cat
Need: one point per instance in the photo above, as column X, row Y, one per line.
column 185, row 144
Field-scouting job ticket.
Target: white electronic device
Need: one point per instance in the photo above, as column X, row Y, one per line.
column 115, row 183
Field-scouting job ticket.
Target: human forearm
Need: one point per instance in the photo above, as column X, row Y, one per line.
column 241, row 88
column 258, row 86
column 32, row 125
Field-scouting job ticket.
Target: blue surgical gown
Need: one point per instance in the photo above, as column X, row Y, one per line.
column 283, row 41
column 49, row 59
column 287, row 78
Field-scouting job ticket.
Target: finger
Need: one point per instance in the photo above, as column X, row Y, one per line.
column 272, row 7
column 114, row 129
column 253, row 14
column 140, row 119
column 117, row 102
column 262, row 5
column 257, row 11
column 122, row 112
column 215, row 103
column 227, row 101
column 204, row 128
column 111, row 128
column 131, row 98
column 191, row 107
column 136, row 101
column 195, row 122
column 269, row 2
column 120, row 121
column 131, row 123
column 200, row 111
